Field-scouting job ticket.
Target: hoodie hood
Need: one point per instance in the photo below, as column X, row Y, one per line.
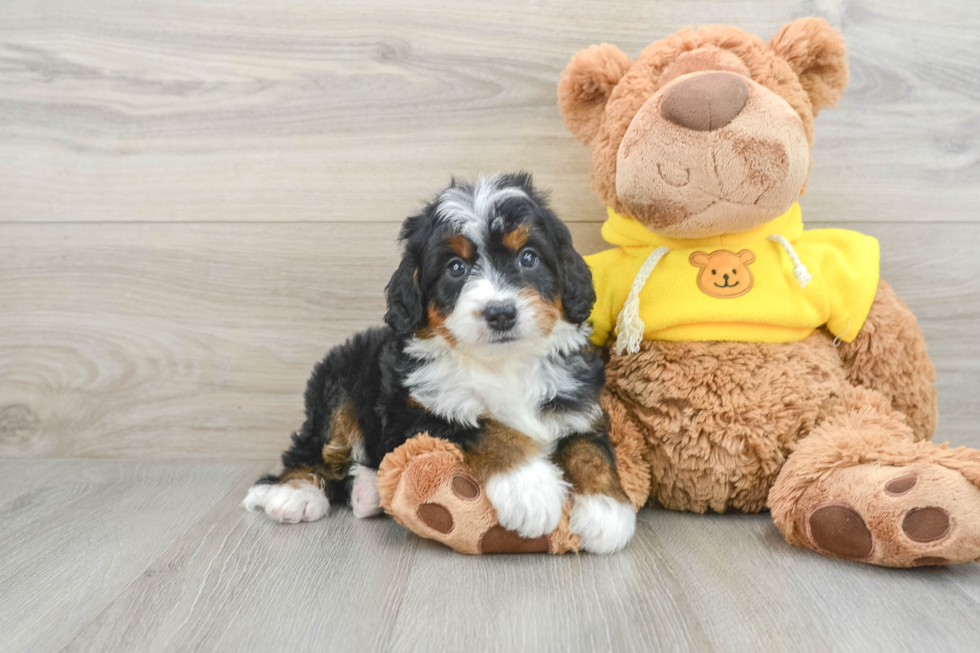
column 628, row 233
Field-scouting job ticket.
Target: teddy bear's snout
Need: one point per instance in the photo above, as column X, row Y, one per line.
column 705, row 101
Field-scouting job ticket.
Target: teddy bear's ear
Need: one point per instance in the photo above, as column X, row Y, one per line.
column 585, row 87
column 816, row 52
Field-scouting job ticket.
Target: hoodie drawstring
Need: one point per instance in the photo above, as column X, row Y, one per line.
column 802, row 275
column 629, row 326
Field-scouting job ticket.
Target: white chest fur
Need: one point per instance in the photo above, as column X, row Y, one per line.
column 511, row 386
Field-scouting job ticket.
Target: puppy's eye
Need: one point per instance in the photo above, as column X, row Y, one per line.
column 457, row 268
column 528, row 258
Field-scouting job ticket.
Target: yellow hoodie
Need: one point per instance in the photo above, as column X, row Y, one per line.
column 774, row 283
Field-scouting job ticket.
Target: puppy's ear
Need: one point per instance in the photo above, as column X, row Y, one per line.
column 406, row 303
column 586, row 85
column 817, row 53
column 578, row 294
column 574, row 276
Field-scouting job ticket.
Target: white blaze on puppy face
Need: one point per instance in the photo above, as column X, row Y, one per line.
column 536, row 318
column 467, row 323
column 473, row 214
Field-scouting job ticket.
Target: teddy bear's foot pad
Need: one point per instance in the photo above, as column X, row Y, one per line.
column 919, row 515
column 437, row 496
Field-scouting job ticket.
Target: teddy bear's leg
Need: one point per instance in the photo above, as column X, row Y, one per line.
column 862, row 487
column 427, row 485
column 889, row 355
column 628, row 444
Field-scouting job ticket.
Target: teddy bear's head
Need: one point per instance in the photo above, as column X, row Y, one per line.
column 708, row 131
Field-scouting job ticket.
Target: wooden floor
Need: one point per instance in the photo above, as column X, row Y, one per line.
column 197, row 199
column 130, row 555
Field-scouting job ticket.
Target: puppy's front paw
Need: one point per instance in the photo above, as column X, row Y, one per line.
column 288, row 503
column 603, row 525
column 528, row 499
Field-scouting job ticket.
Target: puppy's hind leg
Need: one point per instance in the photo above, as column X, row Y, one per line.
column 296, row 496
column 300, row 498
column 316, row 468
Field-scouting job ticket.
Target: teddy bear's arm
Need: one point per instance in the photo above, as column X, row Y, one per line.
column 889, row 355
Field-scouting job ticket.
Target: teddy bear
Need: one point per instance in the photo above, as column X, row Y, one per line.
column 752, row 364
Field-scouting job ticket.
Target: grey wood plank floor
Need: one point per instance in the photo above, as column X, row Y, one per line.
column 101, row 555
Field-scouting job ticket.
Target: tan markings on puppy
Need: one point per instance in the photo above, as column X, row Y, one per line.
column 461, row 246
column 500, row 449
column 303, row 476
column 515, row 238
column 344, row 435
column 546, row 314
column 589, row 470
column 436, row 327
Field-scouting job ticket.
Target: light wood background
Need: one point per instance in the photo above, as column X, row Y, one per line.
column 198, row 198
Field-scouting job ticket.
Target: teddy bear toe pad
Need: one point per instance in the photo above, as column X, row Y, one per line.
column 435, row 494
column 839, row 529
column 920, row 515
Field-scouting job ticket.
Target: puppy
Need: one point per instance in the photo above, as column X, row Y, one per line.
column 485, row 345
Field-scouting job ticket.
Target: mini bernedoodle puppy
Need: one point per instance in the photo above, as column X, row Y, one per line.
column 486, row 345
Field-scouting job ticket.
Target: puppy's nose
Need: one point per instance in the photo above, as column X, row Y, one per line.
column 706, row 101
column 501, row 316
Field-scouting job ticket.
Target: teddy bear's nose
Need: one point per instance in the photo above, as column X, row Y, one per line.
column 706, row 101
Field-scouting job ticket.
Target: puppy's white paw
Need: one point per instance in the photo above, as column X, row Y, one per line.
column 603, row 525
column 364, row 498
column 256, row 497
column 528, row 499
column 288, row 503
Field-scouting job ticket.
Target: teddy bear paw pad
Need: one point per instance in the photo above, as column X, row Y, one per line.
column 926, row 524
column 436, row 517
column 921, row 515
column 495, row 539
column 500, row 540
column 840, row 530
column 430, row 490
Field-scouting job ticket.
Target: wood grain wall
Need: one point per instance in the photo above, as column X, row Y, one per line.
column 197, row 199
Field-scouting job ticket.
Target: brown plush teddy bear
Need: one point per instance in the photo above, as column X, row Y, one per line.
column 754, row 364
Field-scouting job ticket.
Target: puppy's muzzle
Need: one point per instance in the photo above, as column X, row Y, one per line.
column 501, row 316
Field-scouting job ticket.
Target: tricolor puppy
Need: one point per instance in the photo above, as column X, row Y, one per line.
column 487, row 346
